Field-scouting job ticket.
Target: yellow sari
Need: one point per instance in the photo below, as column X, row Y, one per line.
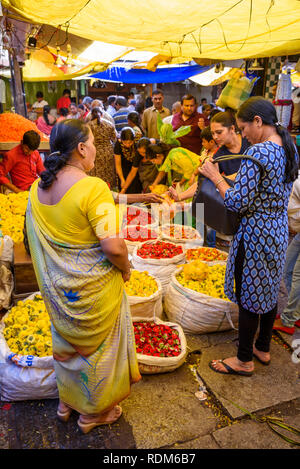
column 92, row 333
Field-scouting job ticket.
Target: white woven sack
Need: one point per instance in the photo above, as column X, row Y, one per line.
column 188, row 243
column 198, row 313
column 6, row 249
column 6, row 286
column 152, row 365
column 147, row 307
column 161, row 269
column 25, row 377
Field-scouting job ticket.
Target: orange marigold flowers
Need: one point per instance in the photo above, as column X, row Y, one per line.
column 13, row 126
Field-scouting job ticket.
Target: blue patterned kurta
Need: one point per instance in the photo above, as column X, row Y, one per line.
column 263, row 228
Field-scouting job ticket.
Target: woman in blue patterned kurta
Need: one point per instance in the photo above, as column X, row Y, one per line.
column 257, row 253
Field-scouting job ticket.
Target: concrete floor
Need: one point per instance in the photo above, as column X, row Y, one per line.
column 163, row 412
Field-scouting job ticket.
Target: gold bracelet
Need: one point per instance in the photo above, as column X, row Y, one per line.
column 219, row 182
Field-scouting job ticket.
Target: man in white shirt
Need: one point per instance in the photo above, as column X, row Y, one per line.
column 111, row 108
column 40, row 101
column 203, row 103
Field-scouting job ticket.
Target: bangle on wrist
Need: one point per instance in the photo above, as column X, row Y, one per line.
column 219, row 181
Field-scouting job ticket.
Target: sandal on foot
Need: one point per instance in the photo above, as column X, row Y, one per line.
column 230, row 371
column 64, row 415
column 87, row 427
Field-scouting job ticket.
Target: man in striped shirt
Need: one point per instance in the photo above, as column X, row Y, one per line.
column 120, row 117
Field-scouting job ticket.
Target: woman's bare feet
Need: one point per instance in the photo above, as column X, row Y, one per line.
column 264, row 357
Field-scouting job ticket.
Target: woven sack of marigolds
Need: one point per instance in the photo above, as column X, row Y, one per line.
column 144, row 293
column 195, row 299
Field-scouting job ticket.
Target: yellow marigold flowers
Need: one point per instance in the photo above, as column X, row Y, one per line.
column 12, row 213
column 212, row 284
column 140, row 284
column 27, row 328
column 196, row 270
column 159, row 189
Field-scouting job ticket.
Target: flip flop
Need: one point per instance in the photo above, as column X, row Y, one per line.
column 230, row 371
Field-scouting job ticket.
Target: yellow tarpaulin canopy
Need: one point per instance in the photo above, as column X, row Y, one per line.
column 219, row 30
column 42, row 66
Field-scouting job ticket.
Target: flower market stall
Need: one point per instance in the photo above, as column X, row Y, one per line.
column 167, row 273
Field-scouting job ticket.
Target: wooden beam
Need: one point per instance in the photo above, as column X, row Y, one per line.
column 17, row 84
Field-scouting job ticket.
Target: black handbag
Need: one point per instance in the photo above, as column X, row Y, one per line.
column 216, row 215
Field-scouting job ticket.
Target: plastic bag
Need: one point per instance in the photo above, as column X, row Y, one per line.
column 25, row 377
column 237, row 90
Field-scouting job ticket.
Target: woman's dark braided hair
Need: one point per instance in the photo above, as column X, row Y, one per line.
column 46, row 112
column 259, row 106
column 64, row 139
column 96, row 113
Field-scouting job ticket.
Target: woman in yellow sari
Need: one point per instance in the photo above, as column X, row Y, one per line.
column 81, row 265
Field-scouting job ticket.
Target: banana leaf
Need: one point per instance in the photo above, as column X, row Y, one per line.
column 166, row 133
column 185, row 129
column 159, row 122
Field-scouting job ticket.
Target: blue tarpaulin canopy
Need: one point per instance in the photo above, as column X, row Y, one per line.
column 161, row 75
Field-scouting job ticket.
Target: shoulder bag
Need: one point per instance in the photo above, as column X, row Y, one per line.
column 216, row 215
